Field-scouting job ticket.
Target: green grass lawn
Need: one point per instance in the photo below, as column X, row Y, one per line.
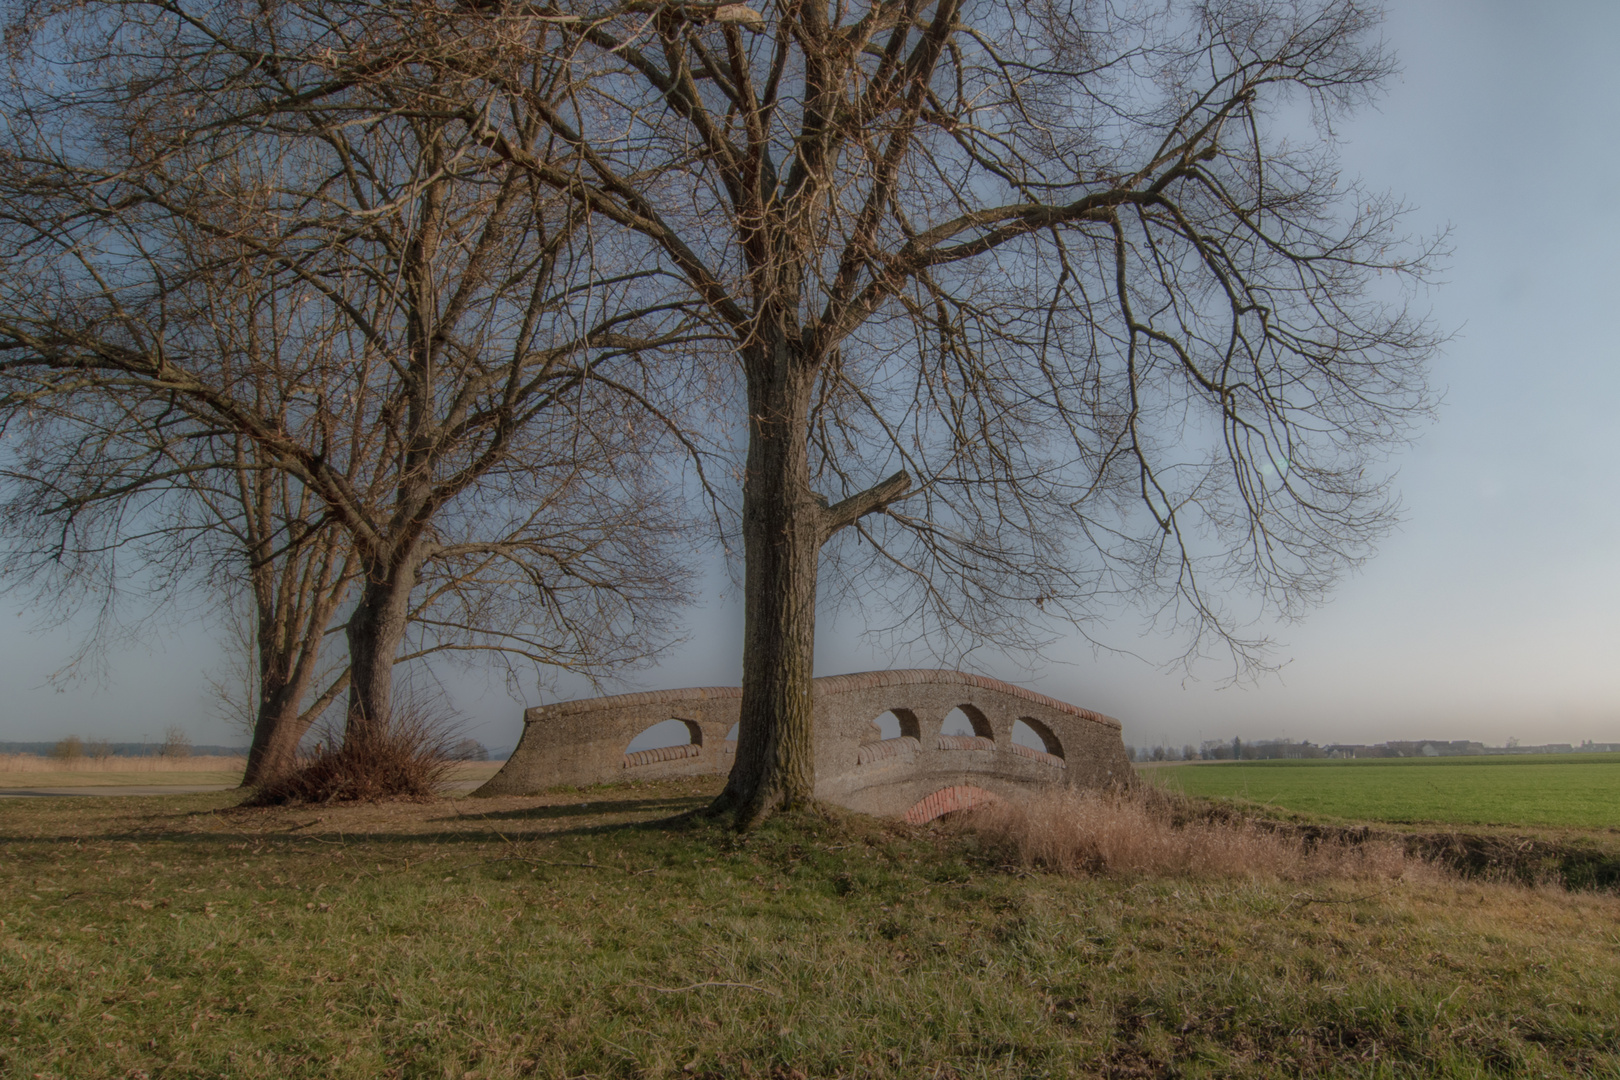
column 1577, row 790
column 564, row 936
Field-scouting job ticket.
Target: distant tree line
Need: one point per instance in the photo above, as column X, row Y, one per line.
column 176, row 744
column 1287, row 749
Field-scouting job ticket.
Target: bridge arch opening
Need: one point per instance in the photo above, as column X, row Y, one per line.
column 949, row 800
column 667, row 736
column 967, row 720
column 1030, row 732
column 896, row 724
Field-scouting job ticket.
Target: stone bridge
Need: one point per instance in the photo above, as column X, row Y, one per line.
column 918, row 773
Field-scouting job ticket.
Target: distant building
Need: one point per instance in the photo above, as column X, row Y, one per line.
column 1355, row 750
column 1434, row 748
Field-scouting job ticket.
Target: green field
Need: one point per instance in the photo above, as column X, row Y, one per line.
column 565, row 936
column 1576, row 790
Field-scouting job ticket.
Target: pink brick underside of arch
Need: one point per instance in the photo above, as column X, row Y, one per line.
column 948, row 800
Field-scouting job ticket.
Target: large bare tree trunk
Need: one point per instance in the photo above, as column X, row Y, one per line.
column 296, row 591
column 375, row 632
column 782, row 536
column 282, row 720
column 785, row 523
column 276, row 733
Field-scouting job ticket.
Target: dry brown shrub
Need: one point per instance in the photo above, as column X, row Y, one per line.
column 1140, row 831
column 409, row 759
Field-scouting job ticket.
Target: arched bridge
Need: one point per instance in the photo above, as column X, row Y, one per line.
column 918, row 771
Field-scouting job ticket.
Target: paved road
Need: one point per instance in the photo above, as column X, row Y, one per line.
column 48, row 792
column 454, row 786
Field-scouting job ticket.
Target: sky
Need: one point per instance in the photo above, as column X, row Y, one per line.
column 1490, row 614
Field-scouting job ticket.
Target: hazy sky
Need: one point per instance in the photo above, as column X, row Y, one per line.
column 1491, row 613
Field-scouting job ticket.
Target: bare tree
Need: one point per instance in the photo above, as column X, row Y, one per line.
column 176, row 742
column 298, row 576
column 104, row 491
column 109, row 483
column 1082, row 281
column 458, row 388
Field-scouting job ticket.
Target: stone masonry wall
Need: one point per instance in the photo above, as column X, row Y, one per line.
column 583, row 742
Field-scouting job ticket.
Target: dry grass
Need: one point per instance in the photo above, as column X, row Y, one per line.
column 470, row 774
column 408, row 761
column 1144, row 832
column 33, row 763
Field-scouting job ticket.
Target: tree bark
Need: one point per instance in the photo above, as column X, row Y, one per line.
column 782, row 535
column 276, row 732
column 296, row 597
column 282, row 721
column 375, row 631
column 784, row 525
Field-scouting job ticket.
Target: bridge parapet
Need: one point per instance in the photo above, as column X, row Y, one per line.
column 584, row 742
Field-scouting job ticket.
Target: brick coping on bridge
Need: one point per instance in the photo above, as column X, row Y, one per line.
column 833, row 684
column 949, row 800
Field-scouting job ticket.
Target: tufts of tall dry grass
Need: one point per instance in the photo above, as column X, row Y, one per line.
column 1142, row 831
column 33, row 763
column 409, row 759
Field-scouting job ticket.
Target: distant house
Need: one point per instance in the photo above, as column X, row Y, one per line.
column 1435, row 748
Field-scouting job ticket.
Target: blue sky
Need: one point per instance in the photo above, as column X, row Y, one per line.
column 1493, row 612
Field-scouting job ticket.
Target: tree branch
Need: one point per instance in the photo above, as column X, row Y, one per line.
column 875, row 498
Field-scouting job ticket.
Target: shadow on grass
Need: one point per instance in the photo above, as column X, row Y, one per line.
column 1580, row 864
column 246, row 824
column 671, row 805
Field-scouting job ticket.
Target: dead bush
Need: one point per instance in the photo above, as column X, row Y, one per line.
column 408, row 759
column 1141, row 831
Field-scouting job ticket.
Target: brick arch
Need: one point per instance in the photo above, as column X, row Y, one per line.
column 1050, row 743
column 948, row 800
column 692, row 748
column 977, row 721
column 905, row 718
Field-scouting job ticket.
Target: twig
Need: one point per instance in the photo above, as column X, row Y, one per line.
column 1302, row 900
column 584, row 865
column 701, row 985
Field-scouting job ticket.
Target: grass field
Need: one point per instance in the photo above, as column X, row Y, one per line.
column 557, row 936
column 1574, row 790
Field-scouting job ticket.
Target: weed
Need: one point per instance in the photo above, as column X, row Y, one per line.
column 405, row 762
column 1141, row 831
